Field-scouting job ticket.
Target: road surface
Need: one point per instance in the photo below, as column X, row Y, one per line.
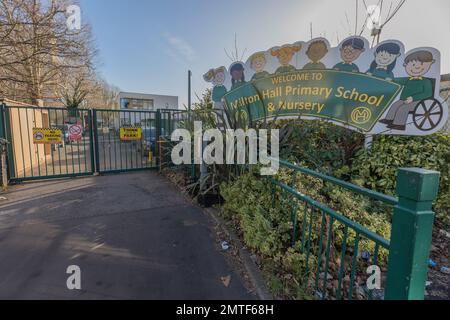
column 132, row 235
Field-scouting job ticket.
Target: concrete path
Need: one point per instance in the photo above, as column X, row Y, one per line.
column 133, row 236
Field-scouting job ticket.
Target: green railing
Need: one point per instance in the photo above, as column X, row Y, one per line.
column 30, row 161
column 404, row 258
column 98, row 150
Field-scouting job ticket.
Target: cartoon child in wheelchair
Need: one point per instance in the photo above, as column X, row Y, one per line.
column 417, row 97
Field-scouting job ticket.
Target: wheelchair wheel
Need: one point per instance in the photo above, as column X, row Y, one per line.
column 428, row 114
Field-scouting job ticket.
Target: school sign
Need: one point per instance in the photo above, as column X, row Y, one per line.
column 380, row 90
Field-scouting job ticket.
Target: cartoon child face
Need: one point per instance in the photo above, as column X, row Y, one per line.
column 259, row 63
column 317, row 51
column 416, row 68
column 384, row 58
column 285, row 56
column 350, row 54
column 219, row 78
column 237, row 74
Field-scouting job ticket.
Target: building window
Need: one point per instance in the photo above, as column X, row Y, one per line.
column 136, row 104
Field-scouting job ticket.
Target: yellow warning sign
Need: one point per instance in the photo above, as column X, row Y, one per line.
column 130, row 134
column 47, row 136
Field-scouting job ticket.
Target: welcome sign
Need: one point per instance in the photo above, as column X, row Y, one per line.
column 380, row 90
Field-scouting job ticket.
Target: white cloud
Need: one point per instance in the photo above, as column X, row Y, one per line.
column 180, row 48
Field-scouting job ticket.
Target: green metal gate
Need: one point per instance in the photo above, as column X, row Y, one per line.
column 100, row 150
column 115, row 155
column 30, row 161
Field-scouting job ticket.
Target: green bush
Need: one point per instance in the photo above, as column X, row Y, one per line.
column 334, row 150
column 377, row 168
column 319, row 145
column 372, row 215
column 268, row 230
column 265, row 230
column 339, row 152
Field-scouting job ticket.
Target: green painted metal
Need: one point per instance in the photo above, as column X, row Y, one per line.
column 95, row 123
column 128, row 170
column 375, row 263
column 305, row 219
column 2, row 121
column 309, row 244
column 354, row 261
column 342, row 265
column 56, row 176
column 412, row 228
column 9, row 137
column 349, row 186
column 338, row 217
column 3, row 147
column 91, row 141
column 100, row 150
column 158, row 130
column 114, row 155
column 319, row 256
column 294, row 219
column 45, row 161
column 327, row 259
column 408, row 248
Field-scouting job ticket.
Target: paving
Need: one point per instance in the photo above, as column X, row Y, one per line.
column 132, row 235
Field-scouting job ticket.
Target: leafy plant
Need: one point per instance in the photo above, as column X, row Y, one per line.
column 319, row 145
column 377, row 168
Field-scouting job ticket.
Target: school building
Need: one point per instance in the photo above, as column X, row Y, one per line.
column 150, row 102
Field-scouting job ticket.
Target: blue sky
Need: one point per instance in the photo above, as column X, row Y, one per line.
column 148, row 45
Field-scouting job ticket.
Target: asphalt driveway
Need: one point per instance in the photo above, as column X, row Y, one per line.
column 132, row 235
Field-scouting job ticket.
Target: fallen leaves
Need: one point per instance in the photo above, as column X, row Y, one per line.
column 226, row 281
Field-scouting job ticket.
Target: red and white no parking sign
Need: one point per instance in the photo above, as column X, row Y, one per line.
column 75, row 132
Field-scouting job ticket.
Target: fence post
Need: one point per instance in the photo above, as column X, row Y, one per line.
column 7, row 132
column 158, row 131
column 96, row 144
column 3, row 148
column 411, row 235
column 92, row 127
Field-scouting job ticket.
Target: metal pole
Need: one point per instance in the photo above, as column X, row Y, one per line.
column 368, row 142
column 189, row 90
column 96, row 143
column 189, row 119
column 203, row 167
column 3, row 148
column 92, row 148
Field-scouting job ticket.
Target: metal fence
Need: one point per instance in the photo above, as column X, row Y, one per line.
column 404, row 256
column 114, row 154
column 100, row 149
column 30, row 161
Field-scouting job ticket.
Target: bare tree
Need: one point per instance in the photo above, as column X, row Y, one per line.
column 103, row 96
column 38, row 51
column 74, row 94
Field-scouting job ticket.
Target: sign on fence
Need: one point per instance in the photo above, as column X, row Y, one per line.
column 75, row 132
column 47, row 136
column 380, row 90
column 130, row 134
